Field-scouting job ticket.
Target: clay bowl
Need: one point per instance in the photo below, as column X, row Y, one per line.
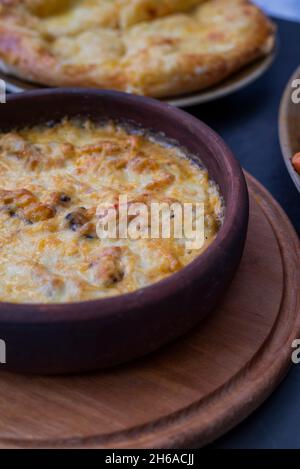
column 78, row 337
column 289, row 126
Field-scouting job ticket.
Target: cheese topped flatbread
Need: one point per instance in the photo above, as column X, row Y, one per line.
column 152, row 47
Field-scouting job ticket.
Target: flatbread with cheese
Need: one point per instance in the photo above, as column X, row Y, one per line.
column 157, row 48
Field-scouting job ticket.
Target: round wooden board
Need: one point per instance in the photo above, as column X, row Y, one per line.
column 236, row 82
column 289, row 127
column 192, row 391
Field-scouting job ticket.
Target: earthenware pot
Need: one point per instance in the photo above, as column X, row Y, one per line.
column 78, row 337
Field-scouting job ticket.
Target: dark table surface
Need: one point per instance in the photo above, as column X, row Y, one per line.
column 248, row 121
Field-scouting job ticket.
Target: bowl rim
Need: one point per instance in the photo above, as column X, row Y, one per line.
column 237, row 202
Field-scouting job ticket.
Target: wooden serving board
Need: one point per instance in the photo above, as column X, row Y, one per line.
column 192, row 391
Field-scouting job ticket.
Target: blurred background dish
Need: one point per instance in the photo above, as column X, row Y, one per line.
column 289, row 126
column 287, row 9
column 181, row 49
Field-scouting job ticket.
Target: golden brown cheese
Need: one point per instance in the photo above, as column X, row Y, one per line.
column 69, row 17
column 152, row 47
column 53, row 178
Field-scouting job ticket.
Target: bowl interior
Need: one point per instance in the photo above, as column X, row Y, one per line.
column 53, row 104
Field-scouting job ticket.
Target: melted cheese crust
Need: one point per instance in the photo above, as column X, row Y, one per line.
column 152, row 47
column 52, row 179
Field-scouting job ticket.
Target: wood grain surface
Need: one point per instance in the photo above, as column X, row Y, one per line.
column 192, row 391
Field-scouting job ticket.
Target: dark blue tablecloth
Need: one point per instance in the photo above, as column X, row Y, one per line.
column 248, row 121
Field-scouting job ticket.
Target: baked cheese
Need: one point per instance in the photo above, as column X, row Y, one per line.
column 53, row 178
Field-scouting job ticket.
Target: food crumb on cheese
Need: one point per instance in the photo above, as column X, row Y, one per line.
column 52, row 179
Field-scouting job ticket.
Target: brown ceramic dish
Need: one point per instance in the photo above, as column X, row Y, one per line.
column 85, row 336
